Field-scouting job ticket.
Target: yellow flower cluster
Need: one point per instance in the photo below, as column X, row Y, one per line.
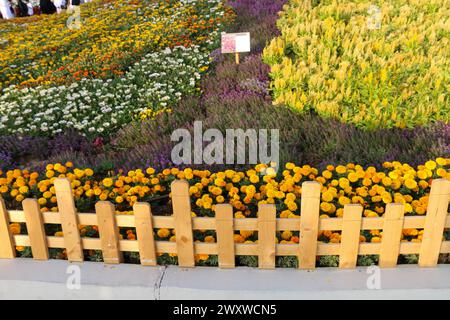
column 371, row 187
column 330, row 60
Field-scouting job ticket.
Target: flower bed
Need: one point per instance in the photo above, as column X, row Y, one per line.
column 117, row 67
column 96, row 107
column 244, row 190
column 329, row 61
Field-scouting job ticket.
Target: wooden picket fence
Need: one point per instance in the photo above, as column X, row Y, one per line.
column 392, row 224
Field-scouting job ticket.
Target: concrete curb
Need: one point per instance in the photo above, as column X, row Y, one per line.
column 29, row 279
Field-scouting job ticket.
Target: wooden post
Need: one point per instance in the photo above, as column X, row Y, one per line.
column 225, row 231
column 434, row 223
column 7, row 248
column 109, row 233
column 351, row 229
column 144, row 231
column 69, row 219
column 309, row 224
column 237, row 58
column 392, row 233
column 181, row 204
column 36, row 231
column 266, row 236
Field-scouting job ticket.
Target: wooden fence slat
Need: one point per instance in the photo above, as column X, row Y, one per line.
column 225, row 232
column 309, row 224
column 392, row 232
column 144, row 232
column 434, row 223
column 69, row 219
column 351, row 229
column 181, row 204
column 109, row 232
column 7, row 248
column 266, row 236
column 36, row 231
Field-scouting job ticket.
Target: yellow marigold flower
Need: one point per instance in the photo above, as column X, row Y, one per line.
column 107, row 182
column 50, row 173
column 367, row 182
column 421, row 210
column 352, row 177
column 290, row 166
column 375, row 239
column 292, row 206
column 410, row 183
column 344, row 200
column 285, row 213
column 441, row 172
column 47, row 194
column 422, row 174
column 119, row 199
column 88, row 172
column 286, row 235
column 325, row 206
column 408, row 208
column 239, row 215
column 15, row 228
column 163, row 233
column 344, row 183
column 254, row 179
column 431, row 165
column 441, row 161
column 238, row 238
column 23, row 189
column 42, row 201
column 386, row 197
column 341, row 169
column 327, row 174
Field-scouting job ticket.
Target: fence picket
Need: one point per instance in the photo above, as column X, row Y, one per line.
column 392, row 232
column 181, row 204
column 7, row 248
column 309, row 224
column 36, row 231
column 434, row 223
column 69, row 219
column 351, row 229
column 109, row 233
column 144, row 232
column 266, row 236
column 225, row 231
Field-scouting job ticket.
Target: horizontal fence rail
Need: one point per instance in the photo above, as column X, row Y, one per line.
column 266, row 224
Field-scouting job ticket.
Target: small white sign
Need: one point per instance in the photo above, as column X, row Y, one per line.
column 235, row 42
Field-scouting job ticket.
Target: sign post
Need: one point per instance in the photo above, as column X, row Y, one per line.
column 236, row 43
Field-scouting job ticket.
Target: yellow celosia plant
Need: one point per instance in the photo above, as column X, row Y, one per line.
column 330, row 59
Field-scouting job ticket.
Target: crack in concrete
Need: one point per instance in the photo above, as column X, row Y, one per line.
column 158, row 283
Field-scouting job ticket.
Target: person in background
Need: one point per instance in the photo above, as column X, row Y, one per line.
column 23, row 9
column 6, row 10
column 47, row 7
column 59, row 4
column 30, row 7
